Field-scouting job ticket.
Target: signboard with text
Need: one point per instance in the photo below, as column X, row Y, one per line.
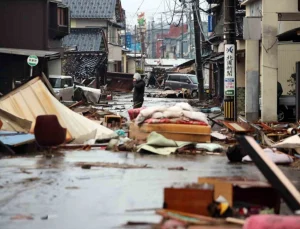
column 32, row 60
column 229, row 70
column 128, row 40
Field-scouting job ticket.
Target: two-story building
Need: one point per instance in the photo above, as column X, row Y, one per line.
column 30, row 27
column 107, row 15
column 272, row 50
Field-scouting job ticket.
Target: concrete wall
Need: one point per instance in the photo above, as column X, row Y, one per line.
column 288, row 55
column 54, row 67
column 240, row 71
column 284, row 26
column 131, row 66
column 115, row 53
column 269, row 67
column 252, row 74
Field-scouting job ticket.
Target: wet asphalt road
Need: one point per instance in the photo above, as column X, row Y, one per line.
column 101, row 197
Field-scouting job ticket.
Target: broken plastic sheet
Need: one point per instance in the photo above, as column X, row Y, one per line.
column 277, row 158
column 33, row 99
column 91, row 94
column 210, row 147
column 158, row 144
column 288, row 143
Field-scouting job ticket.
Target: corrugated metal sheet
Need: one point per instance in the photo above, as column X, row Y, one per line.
column 288, row 55
column 13, row 123
column 33, row 99
column 103, row 9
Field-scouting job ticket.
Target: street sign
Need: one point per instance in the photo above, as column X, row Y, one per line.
column 128, row 40
column 32, row 60
column 229, row 73
column 210, row 23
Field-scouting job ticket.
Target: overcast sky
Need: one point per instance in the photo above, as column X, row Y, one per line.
column 152, row 8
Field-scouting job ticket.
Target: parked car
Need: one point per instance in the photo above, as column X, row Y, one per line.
column 287, row 108
column 178, row 81
column 63, row 87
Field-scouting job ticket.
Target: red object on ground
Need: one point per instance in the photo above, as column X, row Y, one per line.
column 272, row 221
column 133, row 113
column 48, row 132
column 174, row 121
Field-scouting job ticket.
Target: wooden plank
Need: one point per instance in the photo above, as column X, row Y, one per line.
column 189, row 217
column 271, row 171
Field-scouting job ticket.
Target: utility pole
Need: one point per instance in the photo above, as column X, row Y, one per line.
column 230, row 98
column 135, row 41
column 143, row 47
column 190, row 28
column 162, row 32
column 182, row 30
column 197, row 32
column 152, row 39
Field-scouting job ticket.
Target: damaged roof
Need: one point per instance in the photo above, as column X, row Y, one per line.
column 85, row 39
column 101, row 9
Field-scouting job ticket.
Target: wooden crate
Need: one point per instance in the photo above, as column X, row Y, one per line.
column 113, row 121
column 237, row 190
column 176, row 132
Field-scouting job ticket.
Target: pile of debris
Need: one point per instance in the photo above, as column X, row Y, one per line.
column 219, row 202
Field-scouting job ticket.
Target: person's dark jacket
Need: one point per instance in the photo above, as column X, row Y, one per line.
column 139, row 90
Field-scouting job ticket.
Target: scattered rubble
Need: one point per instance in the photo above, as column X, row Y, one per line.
column 111, row 165
column 22, row 217
column 178, row 168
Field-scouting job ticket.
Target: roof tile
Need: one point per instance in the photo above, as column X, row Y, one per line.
column 102, row 9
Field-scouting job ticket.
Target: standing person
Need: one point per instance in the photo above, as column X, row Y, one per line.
column 139, row 89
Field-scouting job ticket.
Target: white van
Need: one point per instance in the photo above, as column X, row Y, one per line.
column 63, row 87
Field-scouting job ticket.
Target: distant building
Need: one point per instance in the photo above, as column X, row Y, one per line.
column 30, row 28
column 108, row 15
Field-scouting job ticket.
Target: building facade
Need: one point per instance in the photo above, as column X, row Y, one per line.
column 271, row 53
column 107, row 15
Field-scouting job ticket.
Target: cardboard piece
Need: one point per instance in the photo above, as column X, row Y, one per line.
column 221, row 188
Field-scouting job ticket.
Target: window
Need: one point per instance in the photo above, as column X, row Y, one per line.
column 55, row 82
column 193, row 79
column 62, row 16
column 174, row 78
column 184, row 79
column 68, row 82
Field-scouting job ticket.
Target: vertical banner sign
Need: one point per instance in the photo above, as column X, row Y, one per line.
column 141, row 20
column 210, row 23
column 229, row 65
column 128, row 40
